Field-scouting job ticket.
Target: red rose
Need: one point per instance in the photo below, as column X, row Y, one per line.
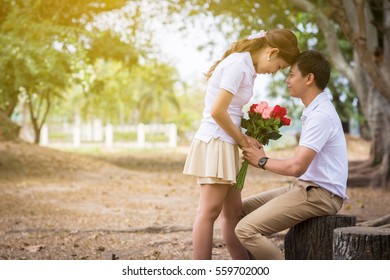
column 285, row 121
column 279, row 112
column 253, row 108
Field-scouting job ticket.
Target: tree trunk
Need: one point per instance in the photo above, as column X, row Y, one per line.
column 361, row 243
column 368, row 75
column 8, row 129
column 313, row 238
column 13, row 102
column 38, row 113
column 371, row 69
column 374, row 172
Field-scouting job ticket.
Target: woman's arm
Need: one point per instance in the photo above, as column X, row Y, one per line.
column 222, row 118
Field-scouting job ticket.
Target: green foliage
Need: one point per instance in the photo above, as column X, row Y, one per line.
column 191, row 102
column 64, row 55
column 108, row 46
column 125, row 136
column 42, row 41
column 116, row 94
column 248, row 16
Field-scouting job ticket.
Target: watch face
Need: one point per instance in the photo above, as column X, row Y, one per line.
column 262, row 162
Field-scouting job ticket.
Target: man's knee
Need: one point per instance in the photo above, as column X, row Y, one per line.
column 246, row 229
column 243, row 230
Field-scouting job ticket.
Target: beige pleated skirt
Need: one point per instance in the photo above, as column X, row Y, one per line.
column 215, row 162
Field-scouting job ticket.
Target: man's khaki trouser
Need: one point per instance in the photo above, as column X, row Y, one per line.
column 279, row 209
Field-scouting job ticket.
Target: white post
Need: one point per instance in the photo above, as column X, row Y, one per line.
column 141, row 135
column 44, row 137
column 172, row 135
column 109, row 136
column 76, row 136
column 77, row 132
column 97, row 131
column 87, row 131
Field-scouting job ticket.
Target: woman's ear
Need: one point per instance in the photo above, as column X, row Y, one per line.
column 273, row 51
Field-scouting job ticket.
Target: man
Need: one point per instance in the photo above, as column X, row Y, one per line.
column 320, row 165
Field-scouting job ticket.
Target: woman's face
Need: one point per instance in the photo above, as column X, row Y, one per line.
column 267, row 61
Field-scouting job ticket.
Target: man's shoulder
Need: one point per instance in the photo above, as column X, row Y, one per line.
column 325, row 108
column 326, row 116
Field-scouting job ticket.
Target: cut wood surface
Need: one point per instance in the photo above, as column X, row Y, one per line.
column 361, row 243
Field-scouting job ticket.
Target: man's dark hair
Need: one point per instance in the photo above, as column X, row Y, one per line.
column 314, row 62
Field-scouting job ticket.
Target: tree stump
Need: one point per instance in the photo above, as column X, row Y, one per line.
column 313, row 239
column 361, row 243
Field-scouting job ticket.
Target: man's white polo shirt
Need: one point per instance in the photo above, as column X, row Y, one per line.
column 322, row 132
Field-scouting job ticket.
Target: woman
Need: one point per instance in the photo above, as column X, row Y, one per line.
column 213, row 157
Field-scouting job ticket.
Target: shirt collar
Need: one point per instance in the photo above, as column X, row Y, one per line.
column 316, row 101
column 249, row 64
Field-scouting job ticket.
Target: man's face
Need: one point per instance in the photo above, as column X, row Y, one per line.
column 295, row 82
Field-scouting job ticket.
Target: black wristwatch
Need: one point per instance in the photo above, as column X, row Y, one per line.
column 262, row 162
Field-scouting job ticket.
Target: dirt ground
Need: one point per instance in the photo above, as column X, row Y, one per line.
column 121, row 204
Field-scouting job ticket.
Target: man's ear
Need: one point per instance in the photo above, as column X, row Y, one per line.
column 309, row 78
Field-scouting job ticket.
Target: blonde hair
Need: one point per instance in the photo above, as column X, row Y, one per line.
column 282, row 39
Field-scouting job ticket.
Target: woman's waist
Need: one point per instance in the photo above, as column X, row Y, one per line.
column 207, row 131
column 209, row 121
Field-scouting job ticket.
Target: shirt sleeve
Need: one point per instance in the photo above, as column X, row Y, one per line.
column 232, row 77
column 316, row 132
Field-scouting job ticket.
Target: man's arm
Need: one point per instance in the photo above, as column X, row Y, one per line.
column 295, row 166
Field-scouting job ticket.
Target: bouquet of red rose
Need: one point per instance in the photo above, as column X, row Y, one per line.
column 263, row 124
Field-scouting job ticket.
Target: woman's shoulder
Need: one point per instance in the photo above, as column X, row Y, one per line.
column 236, row 57
column 234, row 60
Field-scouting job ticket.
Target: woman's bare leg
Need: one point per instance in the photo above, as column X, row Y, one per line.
column 231, row 215
column 210, row 205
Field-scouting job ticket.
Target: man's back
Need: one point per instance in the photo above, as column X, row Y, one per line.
column 322, row 132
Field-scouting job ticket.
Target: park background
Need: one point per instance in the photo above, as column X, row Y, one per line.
column 99, row 101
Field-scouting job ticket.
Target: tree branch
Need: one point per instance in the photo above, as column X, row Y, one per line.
column 382, row 221
column 330, row 35
column 353, row 13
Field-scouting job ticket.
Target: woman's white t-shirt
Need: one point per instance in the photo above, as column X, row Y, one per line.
column 235, row 74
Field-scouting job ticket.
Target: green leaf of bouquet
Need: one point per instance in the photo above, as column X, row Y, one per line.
column 244, row 123
column 274, row 135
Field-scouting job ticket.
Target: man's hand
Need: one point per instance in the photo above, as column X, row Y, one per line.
column 253, row 142
column 253, row 154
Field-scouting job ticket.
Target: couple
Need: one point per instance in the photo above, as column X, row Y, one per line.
column 319, row 165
